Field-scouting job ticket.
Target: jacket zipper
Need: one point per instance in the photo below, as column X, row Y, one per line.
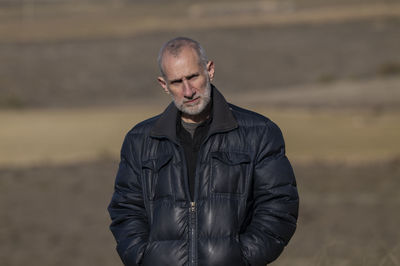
column 192, row 215
column 192, row 228
column 192, row 208
column 192, row 211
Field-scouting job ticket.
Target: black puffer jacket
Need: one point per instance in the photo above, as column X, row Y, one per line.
column 245, row 205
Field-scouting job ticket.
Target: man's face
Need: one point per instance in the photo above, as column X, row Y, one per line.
column 187, row 81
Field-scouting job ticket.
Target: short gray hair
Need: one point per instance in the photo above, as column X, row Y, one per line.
column 175, row 46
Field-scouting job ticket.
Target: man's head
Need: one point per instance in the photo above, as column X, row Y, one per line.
column 186, row 75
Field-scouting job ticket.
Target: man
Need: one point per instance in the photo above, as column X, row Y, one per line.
column 204, row 183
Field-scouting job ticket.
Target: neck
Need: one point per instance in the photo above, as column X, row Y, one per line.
column 204, row 115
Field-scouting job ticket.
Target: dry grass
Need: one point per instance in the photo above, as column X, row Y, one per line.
column 59, row 136
column 341, row 136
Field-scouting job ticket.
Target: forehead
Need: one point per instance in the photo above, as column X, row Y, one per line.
column 183, row 64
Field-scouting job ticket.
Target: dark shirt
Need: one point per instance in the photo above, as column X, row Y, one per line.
column 190, row 127
column 191, row 148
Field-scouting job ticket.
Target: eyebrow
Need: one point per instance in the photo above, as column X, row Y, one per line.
column 187, row 77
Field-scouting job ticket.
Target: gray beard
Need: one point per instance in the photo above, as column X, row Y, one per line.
column 205, row 100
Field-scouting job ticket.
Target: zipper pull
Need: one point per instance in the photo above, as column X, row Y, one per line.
column 192, row 206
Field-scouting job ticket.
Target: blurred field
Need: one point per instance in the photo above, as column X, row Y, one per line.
column 110, row 70
column 56, row 215
column 43, row 137
column 75, row 76
column 50, row 23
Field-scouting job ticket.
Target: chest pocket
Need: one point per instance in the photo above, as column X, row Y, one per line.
column 229, row 172
column 157, row 174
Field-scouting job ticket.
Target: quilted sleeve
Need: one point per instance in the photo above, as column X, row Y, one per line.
column 275, row 210
column 127, row 211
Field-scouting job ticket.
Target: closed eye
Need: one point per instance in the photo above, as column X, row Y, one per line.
column 176, row 81
column 192, row 76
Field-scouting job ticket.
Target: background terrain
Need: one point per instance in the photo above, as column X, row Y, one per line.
column 75, row 76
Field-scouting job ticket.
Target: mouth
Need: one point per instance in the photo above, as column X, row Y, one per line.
column 192, row 101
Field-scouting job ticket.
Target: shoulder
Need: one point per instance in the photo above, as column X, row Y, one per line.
column 250, row 118
column 143, row 128
column 136, row 137
column 254, row 123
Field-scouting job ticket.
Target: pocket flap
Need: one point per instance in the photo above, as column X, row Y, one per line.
column 231, row 158
column 157, row 164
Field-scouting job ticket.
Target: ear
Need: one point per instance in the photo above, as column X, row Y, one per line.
column 210, row 69
column 163, row 84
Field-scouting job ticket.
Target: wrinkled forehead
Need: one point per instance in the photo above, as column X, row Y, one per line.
column 184, row 63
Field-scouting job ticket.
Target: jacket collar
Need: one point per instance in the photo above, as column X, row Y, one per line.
column 222, row 118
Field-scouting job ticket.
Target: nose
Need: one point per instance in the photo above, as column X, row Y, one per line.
column 188, row 92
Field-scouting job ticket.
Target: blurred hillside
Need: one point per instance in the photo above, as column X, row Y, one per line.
column 76, row 75
column 103, row 53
